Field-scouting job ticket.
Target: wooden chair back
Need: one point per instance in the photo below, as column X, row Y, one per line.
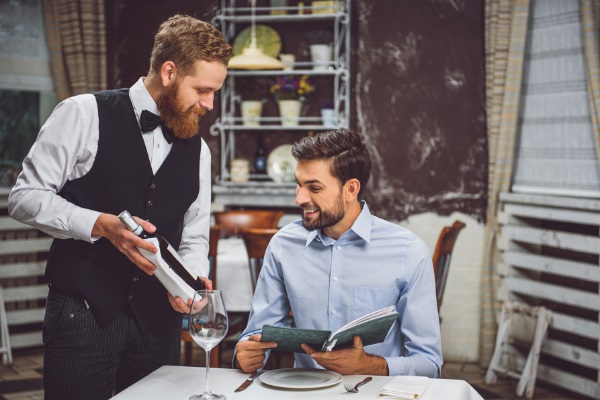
column 442, row 256
column 256, row 241
column 233, row 221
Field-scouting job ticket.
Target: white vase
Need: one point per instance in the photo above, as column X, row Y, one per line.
column 289, row 110
column 251, row 111
column 328, row 117
column 321, row 56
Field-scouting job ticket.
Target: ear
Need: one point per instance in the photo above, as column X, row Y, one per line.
column 351, row 189
column 168, row 73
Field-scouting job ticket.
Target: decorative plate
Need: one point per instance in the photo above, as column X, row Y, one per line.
column 267, row 39
column 281, row 165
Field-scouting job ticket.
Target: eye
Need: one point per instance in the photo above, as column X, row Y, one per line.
column 314, row 189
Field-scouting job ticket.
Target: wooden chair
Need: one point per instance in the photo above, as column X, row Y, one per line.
column 256, row 241
column 233, row 221
column 213, row 242
column 442, row 256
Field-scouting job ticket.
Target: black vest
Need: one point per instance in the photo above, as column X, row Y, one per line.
column 121, row 178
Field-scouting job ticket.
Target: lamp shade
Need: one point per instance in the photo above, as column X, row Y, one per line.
column 253, row 58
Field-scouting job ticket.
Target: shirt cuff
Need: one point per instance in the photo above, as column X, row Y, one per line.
column 396, row 366
column 81, row 224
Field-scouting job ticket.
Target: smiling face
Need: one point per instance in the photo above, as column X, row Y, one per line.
column 325, row 203
column 184, row 100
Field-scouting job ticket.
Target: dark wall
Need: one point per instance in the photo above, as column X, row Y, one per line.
column 418, row 95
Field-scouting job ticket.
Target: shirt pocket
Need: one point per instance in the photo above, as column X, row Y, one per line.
column 369, row 299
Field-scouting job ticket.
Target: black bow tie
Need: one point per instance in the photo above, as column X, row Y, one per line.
column 149, row 121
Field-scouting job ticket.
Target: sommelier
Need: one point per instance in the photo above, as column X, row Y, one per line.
column 108, row 321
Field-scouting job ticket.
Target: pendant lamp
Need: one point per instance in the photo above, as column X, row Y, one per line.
column 253, row 57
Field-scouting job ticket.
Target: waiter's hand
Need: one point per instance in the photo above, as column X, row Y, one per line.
column 181, row 306
column 111, row 227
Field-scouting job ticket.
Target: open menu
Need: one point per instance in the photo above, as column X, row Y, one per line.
column 372, row 328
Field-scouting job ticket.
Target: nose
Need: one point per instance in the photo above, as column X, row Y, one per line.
column 301, row 197
column 207, row 101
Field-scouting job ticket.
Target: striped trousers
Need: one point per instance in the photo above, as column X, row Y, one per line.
column 83, row 360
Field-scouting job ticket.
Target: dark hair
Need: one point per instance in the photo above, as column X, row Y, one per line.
column 186, row 40
column 347, row 155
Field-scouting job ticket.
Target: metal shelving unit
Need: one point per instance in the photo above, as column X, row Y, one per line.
column 254, row 192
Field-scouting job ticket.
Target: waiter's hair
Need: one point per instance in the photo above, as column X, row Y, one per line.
column 186, row 40
column 346, row 153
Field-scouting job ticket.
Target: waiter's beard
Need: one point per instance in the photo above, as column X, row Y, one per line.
column 183, row 123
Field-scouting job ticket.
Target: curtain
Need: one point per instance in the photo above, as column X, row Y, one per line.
column 591, row 43
column 505, row 40
column 76, row 36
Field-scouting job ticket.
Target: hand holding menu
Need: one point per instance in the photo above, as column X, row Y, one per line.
column 372, row 328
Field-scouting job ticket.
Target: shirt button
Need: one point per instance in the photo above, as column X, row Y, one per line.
column 335, row 278
column 339, row 247
column 150, row 203
column 333, row 311
column 158, row 145
column 135, row 278
column 153, row 185
column 130, row 297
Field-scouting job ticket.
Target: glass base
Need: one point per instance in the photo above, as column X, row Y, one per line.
column 208, row 396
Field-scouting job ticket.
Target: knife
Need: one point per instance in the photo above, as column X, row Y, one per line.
column 248, row 381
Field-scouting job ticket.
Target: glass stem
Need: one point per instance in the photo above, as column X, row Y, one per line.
column 207, row 387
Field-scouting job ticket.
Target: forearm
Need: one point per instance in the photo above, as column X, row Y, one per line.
column 51, row 214
column 373, row 365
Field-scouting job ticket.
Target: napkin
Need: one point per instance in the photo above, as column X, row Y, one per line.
column 405, row 387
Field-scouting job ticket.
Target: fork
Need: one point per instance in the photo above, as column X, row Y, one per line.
column 354, row 389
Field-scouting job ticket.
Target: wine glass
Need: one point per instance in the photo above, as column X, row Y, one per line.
column 208, row 326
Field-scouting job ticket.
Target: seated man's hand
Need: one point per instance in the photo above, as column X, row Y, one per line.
column 350, row 361
column 250, row 354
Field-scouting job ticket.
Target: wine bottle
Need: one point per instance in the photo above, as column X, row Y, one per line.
column 260, row 157
column 167, row 252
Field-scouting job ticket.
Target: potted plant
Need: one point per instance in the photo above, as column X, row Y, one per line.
column 289, row 92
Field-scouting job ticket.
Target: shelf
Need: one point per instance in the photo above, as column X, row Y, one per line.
column 266, row 193
column 242, row 72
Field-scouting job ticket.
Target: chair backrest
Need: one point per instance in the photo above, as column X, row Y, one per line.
column 213, row 243
column 442, row 256
column 256, row 241
column 233, row 221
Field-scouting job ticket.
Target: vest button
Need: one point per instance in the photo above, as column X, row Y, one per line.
column 150, row 203
column 135, row 278
column 153, row 185
column 130, row 297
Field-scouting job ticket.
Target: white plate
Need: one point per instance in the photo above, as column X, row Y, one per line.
column 281, row 165
column 300, row 378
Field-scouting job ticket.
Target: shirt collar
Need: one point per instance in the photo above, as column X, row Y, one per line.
column 141, row 99
column 361, row 227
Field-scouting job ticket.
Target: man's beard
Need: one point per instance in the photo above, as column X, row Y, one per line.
column 326, row 218
column 184, row 124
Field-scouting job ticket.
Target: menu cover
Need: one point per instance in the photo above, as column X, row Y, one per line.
column 372, row 328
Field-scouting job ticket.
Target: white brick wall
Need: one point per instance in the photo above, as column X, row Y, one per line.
column 460, row 308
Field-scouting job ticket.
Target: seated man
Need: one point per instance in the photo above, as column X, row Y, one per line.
column 338, row 263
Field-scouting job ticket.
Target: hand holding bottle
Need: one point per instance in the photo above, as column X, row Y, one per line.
column 111, row 227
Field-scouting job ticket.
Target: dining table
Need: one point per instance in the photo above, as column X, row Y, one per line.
column 179, row 383
column 233, row 275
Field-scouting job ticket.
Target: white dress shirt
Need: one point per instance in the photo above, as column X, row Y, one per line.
column 65, row 150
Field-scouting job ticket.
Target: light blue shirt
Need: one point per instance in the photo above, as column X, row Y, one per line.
column 327, row 283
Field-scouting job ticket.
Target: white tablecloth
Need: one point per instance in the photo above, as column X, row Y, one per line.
column 179, row 383
column 233, row 274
